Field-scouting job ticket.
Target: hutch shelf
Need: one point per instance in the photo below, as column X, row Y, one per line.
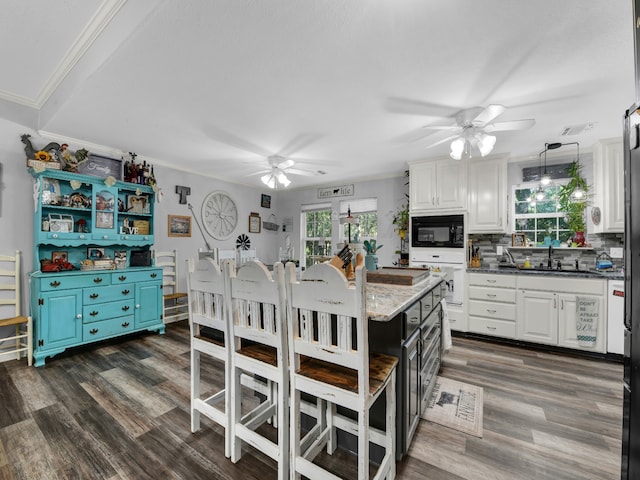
column 96, row 280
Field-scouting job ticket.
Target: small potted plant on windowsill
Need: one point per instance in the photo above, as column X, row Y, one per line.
column 401, row 220
column 573, row 199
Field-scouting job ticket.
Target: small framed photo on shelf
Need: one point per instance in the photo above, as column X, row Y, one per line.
column 266, row 201
column 255, row 223
column 518, row 240
column 94, row 253
column 137, row 204
column 179, row 226
column 104, row 220
column 59, row 257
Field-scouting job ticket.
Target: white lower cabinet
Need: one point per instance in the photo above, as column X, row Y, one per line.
column 537, row 319
column 492, row 304
column 536, row 308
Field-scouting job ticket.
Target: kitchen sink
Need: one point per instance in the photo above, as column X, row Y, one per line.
column 555, row 271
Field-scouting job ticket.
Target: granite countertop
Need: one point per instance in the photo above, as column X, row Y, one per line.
column 385, row 301
column 613, row 275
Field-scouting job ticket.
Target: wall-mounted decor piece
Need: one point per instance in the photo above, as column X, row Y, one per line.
column 255, row 223
column 219, row 215
column 339, row 191
column 266, row 201
column 184, row 192
column 518, row 240
column 179, row 226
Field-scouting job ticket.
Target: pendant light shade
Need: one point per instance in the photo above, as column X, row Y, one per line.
column 275, row 178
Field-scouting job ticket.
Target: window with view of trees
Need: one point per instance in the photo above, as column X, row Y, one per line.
column 539, row 218
column 365, row 212
column 317, row 232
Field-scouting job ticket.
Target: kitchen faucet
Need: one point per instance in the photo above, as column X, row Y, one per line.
column 549, row 262
column 509, row 256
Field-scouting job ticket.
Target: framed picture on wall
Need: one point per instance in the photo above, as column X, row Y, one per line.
column 179, row 226
column 266, row 201
column 255, row 223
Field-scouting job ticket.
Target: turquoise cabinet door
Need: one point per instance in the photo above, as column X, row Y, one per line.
column 148, row 303
column 60, row 320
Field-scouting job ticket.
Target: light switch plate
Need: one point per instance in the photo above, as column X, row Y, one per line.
column 499, row 250
column 616, row 252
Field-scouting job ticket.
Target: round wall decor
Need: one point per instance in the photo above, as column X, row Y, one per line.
column 219, row 215
column 243, row 242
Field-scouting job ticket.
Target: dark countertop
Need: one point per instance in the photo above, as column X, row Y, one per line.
column 614, row 275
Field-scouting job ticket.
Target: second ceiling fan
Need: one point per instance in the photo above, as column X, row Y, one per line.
column 473, row 129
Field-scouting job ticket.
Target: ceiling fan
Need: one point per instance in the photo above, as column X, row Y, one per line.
column 472, row 129
column 279, row 168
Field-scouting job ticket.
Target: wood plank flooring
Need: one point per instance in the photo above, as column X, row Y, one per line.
column 121, row 411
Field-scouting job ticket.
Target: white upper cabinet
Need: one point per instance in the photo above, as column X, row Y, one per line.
column 608, row 187
column 438, row 185
column 488, row 207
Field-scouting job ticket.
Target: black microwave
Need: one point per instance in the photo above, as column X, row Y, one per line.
column 438, row 231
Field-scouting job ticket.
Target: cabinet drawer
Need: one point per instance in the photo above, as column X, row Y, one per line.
column 437, row 294
column 109, row 293
column 107, row 328
column 489, row 280
column 128, row 276
column 505, row 311
column 62, row 282
column 493, row 294
column 489, row 326
column 104, row 236
column 102, row 311
column 427, row 304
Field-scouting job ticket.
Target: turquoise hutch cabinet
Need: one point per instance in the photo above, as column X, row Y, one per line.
column 92, row 241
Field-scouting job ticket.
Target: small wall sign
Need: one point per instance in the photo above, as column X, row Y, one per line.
column 339, row 191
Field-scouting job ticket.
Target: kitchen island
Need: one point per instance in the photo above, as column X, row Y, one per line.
column 406, row 321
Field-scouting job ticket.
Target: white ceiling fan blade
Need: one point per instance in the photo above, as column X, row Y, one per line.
column 444, row 140
column 258, row 173
column 488, row 114
column 286, row 164
column 295, row 171
column 511, row 125
column 416, row 107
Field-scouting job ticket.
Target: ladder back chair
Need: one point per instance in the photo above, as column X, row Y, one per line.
column 258, row 328
column 20, row 327
column 330, row 359
column 174, row 306
column 207, row 308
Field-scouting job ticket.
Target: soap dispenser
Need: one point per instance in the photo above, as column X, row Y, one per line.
column 527, row 263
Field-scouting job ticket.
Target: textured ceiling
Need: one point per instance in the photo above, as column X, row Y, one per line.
column 216, row 86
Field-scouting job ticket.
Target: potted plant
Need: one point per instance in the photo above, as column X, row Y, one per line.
column 574, row 205
column 401, row 220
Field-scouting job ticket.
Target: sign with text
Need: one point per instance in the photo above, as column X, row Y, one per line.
column 340, row 191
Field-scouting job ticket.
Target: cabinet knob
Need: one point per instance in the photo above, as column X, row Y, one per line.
column 55, row 284
column 105, row 237
column 126, row 237
column 93, row 331
column 79, row 315
column 55, row 235
column 154, row 275
column 122, row 278
column 137, row 306
column 125, row 308
column 97, row 280
column 126, row 292
column 93, row 296
column 94, row 313
column 125, row 324
column 81, row 237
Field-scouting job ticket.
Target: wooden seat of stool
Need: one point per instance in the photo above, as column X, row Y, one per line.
column 209, row 339
column 174, row 296
column 263, row 353
column 5, row 322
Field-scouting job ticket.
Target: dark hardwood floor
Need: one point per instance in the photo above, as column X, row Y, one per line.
column 121, row 411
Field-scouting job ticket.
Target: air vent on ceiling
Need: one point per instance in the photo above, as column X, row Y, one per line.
column 576, row 129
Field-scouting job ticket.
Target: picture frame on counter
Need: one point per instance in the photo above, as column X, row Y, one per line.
column 179, row 226
column 518, row 239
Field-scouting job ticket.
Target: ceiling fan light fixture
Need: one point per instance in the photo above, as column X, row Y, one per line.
column 282, row 178
column 486, row 144
column 457, row 146
column 269, row 180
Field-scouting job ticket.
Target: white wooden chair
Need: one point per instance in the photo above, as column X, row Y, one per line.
column 207, row 308
column 330, row 359
column 247, row 256
column 174, row 306
column 226, row 255
column 258, row 328
column 20, row 327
